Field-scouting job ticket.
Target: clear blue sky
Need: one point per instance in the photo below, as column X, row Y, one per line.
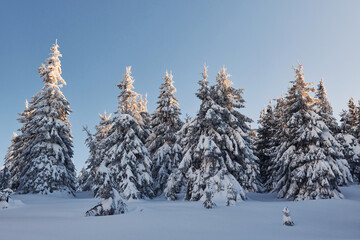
column 258, row 42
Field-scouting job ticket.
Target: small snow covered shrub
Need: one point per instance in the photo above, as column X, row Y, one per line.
column 286, row 218
column 110, row 206
column 4, row 197
column 208, row 203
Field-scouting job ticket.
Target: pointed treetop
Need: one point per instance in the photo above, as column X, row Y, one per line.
column 26, row 104
column 204, row 89
column 105, row 117
column 204, row 74
column 222, row 78
column 128, row 70
column 51, row 71
column 299, row 71
column 168, row 77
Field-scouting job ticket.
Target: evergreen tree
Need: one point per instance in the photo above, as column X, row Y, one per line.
column 93, row 141
column 47, row 157
column 216, row 148
column 4, row 177
column 275, row 142
column 14, row 160
column 126, row 162
column 264, row 145
column 162, row 146
column 324, row 109
column 350, row 118
column 306, row 161
column 348, row 138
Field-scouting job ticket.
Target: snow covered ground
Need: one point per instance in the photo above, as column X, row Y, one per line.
column 260, row 217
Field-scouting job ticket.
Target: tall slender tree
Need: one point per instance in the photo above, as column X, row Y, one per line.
column 264, row 143
column 14, row 160
column 162, row 146
column 276, row 141
column 47, row 158
column 324, row 109
column 349, row 138
column 126, row 164
column 93, row 141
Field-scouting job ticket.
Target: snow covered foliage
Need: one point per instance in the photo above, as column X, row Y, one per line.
column 4, row 177
column 209, row 194
column 324, row 109
column 350, row 118
column 161, row 143
column 349, row 138
column 47, row 165
column 275, row 142
column 14, row 159
column 264, row 141
column 5, row 194
column 217, row 156
column 306, row 163
column 93, row 141
column 131, row 102
column 126, row 163
column 111, row 205
column 4, row 197
column 287, row 218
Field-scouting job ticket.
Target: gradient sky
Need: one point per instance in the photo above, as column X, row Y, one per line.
column 257, row 41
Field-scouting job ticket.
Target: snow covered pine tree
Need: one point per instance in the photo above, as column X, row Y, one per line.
column 47, row 160
column 14, row 159
column 93, row 141
column 275, row 143
column 4, row 177
column 161, row 143
column 125, row 171
column 306, row 166
column 218, row 162
column 264, row 144
column 324, row 109
column 349, row 137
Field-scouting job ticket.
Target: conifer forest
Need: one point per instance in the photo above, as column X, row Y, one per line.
column 165, row 174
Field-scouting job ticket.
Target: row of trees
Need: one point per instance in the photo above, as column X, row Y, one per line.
column 298, row 151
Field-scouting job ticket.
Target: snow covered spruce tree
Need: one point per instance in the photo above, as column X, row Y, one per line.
column 161, row 143
column 14, row 159
column 306, row 161
column 275, row 142
column 93, row 141
column 218, row 162
column 47, row 160
column 4, row 177
column 264, row 145
column 349, row 139
column 324, row 109
column 126, row 164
